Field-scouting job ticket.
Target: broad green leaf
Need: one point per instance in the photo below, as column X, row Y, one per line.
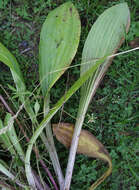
column 104, row 38
column 7, row 58
column 59, row 40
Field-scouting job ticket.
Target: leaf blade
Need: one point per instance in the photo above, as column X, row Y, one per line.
column 8, row 59
column 59, row 40
column 101, row 41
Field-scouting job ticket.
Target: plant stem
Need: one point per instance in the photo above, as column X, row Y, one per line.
column 51, row 147
column 47, row 145
column 49, row 174
column 73, row 149
column 84, row 103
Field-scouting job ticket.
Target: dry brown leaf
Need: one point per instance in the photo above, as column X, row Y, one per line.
column 88, row 145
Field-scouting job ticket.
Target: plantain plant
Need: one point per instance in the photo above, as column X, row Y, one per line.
column 59, row 40
column 104, row 38
column 56, row 53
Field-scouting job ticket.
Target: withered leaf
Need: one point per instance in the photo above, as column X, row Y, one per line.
column 88, row 145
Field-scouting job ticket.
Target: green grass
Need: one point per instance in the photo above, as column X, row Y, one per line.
column 115, row 105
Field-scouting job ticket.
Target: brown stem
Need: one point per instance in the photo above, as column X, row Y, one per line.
column 27, row 139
